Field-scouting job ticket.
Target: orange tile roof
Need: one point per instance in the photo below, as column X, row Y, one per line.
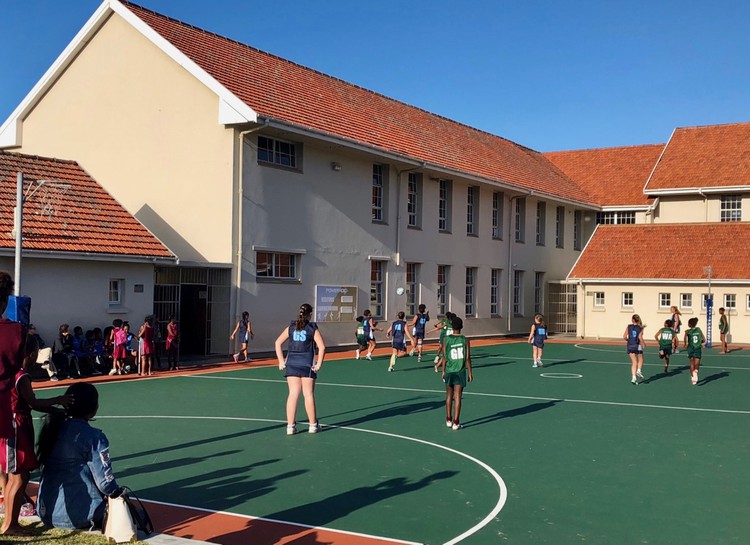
column 713, row 156
column 612, row 176
column 281, row 90
column 666, row 251
column 87, row 218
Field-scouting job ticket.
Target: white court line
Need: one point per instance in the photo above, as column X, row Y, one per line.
column 482, row 394
column 474, row 529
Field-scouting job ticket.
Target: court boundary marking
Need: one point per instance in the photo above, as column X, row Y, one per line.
column 471, row 531
column 486, row 394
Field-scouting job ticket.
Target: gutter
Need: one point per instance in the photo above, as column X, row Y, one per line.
column 93, row 256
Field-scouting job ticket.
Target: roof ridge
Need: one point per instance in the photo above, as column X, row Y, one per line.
column 41, row 157
column 608, row 148
column 129, row 4
column 733, row 123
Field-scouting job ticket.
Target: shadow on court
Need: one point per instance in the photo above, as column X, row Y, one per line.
column 398, row 410
column 711, row 378
column 330, row 509
column 563, row 362
column 528, row 409
column 674, row 372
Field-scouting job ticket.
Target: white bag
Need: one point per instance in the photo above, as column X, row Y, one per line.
column 118, row 522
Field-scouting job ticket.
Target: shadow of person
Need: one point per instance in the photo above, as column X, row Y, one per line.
column 520, row 411
column 398, row 410
column 563, row 362
column 711, row 378
column 675, row 371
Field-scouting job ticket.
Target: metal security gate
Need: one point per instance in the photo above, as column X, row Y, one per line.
column 199, row 299
column 563, row 313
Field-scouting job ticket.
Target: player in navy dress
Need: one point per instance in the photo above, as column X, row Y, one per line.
column 245, row 328
column 419, row 325
column 371, row 326
column 398, row 331
column 537, row 336
column 635, row 345
column 301, row 367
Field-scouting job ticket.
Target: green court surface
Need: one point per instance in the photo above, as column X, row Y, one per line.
column 567, row 453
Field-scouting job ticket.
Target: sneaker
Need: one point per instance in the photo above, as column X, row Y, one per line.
column 314, row 428
column 540, row 363
column 633, row 381
column 357, row 354
column 639, row 375
column 411, row 352
column 457, row 426
column 119, row 371
column 236, row 358
column 291, row 430
column 368, row 357
column 54, row 378
column 437, row 369
column 390, row 369
column 27, row 510
column 449, row 423
column 436, row 360
column 112, row 372
column 248, row 360
column 534, row 365
column 419, row 359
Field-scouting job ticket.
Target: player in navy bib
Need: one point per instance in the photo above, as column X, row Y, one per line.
column 419, row 325
column 537, row 336
column 301, row 366
column 635, row 344
column 398, row 333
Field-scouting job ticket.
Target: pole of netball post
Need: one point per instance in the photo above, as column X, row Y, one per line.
column 18, row 233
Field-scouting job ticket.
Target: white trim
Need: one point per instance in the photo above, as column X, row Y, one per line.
column 378, row 258
column 682, row 281
column 277, row 250
column 713, row 190
column 626, row 208
column 90, row 256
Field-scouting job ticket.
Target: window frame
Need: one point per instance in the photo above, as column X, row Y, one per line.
column 600, row 300
column 686, row 300
column 518, row 302
column 730, row 208
column 495, row 300
column 560, row 227
column 665, row 299
column 472, row 210
column 539, row 292
column 412, row 286
column 275, row 264
column 470, row 300
column 445, row 200
column 730, row 302
column 414, row 200
column 443, row 277
column 276, row 159
column 622, row 217
column 541, row 223
column 377, row 288
column 116, row 292
column 577, row 230
column 498, row 200
column 379, row 193
column 519, row 223
column 625, row 296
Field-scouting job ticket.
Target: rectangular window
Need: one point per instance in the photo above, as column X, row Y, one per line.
column 277, row 152
column 414, row 200
column 116, row 289
column 560, row 227
column 518, row 293
column 442, row 289
column 747, row 302
column 276, row 265
column 704, row 299
column 627, row 299
column 520, row 220
column 731, row 208
column 577, row 230
column 598, row 298
column 378, row 193
column 444, row 205
column 539, row 292
column 412, row 285
column 377, row 281
column 686, row 300
column 541, row 222
column 730, row 301
column 665, row 300
column 472, row 210
column 471, row 278
column 497, row 215
column 619, row 218
column 495, row 292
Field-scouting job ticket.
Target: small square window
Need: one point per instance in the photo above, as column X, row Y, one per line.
column 665, row 300
column 116, row 286
column 627, row 298
column 730, row 301
column 686, row 300
column 598, row 298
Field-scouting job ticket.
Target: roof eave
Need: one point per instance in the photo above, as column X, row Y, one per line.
column 93, row 256
column 720, row 281
column 698, row 190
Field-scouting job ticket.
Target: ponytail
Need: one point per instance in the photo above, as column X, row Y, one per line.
column 305, row 312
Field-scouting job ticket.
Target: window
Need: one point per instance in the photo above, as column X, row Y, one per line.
column 472, row 210
column 560, row 227
column 116, row 289
column 620, row 218
column 747, row 302
column 520, row 219
column 378, row 193
column 518, row 293
column 412, row 285
column 704, row 301
column 731, row 208
column 577, row 230
column 276, row 265
column 377, row 281
column 686, row 300
column 541, row 222
column 277, row 152
column 444, row 206
column 598, row 298
column 495, row 292
column 414, row 200
column 471, row 278
column 730, row 301
column 627, row 299
column 665, row 300
column 497, row 215
column 539, row 292
column 442, row 287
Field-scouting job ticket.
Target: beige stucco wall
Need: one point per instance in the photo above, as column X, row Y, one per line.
column 76, row 292
column 694, row 208
column 610, row 321
column 147, row 131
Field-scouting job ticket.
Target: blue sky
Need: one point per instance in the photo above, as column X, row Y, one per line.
column 550, row 75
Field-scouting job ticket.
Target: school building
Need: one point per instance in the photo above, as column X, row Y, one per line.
column 272, row 184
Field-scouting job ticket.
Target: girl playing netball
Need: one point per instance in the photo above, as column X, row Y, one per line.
column 635, row 345
column 398, row 331
column 245, row 328
column 537, row 336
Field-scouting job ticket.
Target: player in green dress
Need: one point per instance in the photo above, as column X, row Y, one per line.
column 456, row 367
column 723, row 331
column 694, row 339
column 360, row 335
column 667, row 342
column 445, row 327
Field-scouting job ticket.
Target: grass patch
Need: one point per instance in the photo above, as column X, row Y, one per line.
column 39, row 534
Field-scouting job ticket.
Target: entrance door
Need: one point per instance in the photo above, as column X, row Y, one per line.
column 193, row 299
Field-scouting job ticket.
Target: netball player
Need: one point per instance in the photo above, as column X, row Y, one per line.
column 418, row 325
column 398, row 331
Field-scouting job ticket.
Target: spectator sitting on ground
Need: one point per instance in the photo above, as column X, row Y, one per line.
column 63, row 354
column 44, row 359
